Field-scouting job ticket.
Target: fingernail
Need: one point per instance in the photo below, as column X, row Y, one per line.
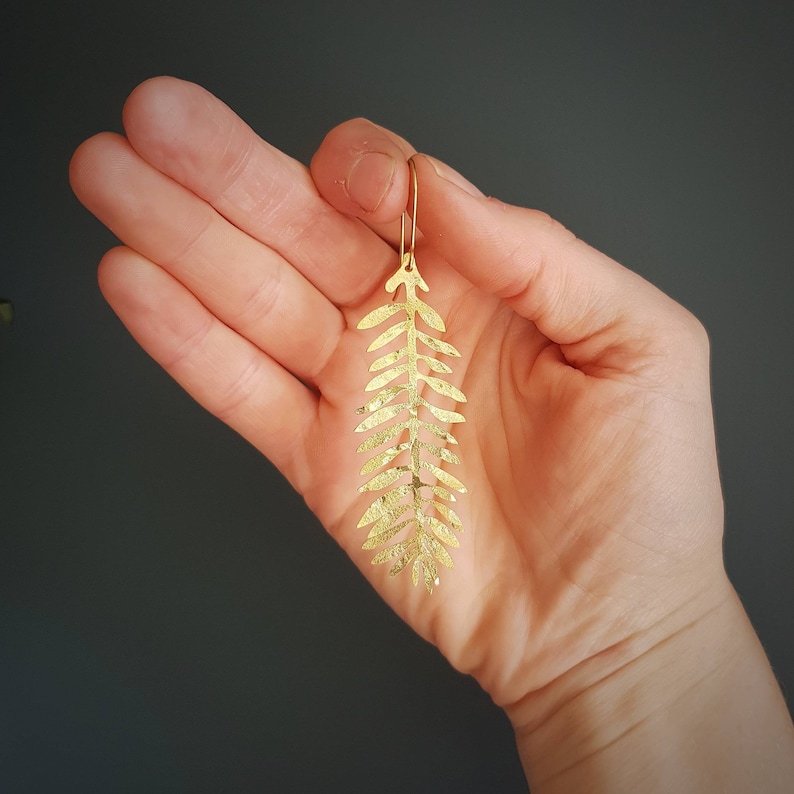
column 369, row 180
column 451, row 175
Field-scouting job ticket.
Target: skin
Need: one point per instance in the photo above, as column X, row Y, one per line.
column 588, row 596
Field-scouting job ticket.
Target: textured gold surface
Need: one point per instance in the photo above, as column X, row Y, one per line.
column 415, row 507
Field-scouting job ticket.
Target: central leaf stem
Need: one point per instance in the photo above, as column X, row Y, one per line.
column 413, row 393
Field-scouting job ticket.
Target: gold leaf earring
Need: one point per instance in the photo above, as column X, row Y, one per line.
column 412, row 508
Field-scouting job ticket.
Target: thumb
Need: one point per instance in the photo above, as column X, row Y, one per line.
column 606, row 319
column 604, row 316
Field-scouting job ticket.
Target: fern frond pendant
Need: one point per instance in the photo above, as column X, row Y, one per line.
column 416, row 505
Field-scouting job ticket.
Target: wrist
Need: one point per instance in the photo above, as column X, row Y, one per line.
column 660, row 711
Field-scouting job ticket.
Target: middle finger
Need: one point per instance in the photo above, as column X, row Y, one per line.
column 250, row 287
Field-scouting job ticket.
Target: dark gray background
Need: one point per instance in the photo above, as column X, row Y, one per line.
column 172, row 617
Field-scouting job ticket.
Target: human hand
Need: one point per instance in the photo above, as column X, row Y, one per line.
column 594, row 514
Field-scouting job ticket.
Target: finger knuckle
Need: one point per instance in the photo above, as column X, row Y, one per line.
column 236, row 393
column 260, row 303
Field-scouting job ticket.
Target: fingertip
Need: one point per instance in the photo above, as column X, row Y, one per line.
column 361, row 170
column 87, row 162
column 133, row 285
column 159, row 93
column 76, row 165
column 81, row 159
column 156, row 112
column 175, row 124
column 113, row 267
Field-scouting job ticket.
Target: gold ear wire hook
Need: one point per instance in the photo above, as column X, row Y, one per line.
column 402, row 236
column 415, row 185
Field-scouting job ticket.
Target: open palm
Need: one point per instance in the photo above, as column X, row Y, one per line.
column 588, row 447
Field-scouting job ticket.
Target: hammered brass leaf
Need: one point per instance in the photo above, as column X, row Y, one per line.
column 388, row 335
column 402, row 562
column 451, row 417
column 386, row 377
column 438, row 431
column 382, row 436
column 430, row 316
column 384, row 505
column 431, row 572
column 440, row 553
column 433, row 363
column 444, row 476
column 443, row 388
column 389, row 359
column 440, row 452
column 430, row 523
column 416, row 569
column 382, row 458
column 373, row 541
column 441, row 493
column 450, row 515
column 380, row 416
column 393, row 551
column 442, row 531
column 380, row 314
column 435, row 344
column 385, row 478
column 382, row 524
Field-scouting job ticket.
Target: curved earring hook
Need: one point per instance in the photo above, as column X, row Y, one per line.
column 415, row 183
column 415, row 186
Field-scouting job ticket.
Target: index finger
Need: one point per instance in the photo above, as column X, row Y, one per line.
column 190, row 135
